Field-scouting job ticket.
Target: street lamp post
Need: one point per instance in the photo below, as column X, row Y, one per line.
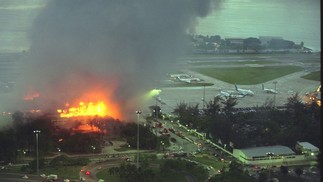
column 37, row 158
column 203, row 99
column 269, row 154
column 275, row 82
column 93, row 148
column 138, row 116
column 162, row 143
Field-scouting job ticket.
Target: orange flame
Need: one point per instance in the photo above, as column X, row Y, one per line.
column 87, row 128
column 85, row 109
column 98, row 106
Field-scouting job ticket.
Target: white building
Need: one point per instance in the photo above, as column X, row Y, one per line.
column 278, row 155
column 307, row 149
column 264, row 156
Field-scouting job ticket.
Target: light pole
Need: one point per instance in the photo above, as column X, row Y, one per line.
column 37, row 159
column 138, row 116
column 275, row 82
column 203, row 99
column 162, row 143
column 269, row 154
column 93, row 148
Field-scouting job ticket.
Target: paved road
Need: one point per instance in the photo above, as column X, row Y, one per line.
column 97, row 167
column 11, row 177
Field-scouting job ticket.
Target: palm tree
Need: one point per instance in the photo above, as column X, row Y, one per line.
column 213, row 107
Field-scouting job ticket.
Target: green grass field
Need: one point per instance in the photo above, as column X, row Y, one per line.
column 315, row 76
column 169, row 177
column 234, row 63
column 182, row 84
column 69, row 172
column 248, row 75
column 207, row 160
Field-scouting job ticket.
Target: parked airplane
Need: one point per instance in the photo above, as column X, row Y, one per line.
column 272, row 91
column 243, row 91
column 179, row 75
column 187, row 80
column 227, row 94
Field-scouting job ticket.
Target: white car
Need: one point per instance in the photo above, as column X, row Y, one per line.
column 43, row 175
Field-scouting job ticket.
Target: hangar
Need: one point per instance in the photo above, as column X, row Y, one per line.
column 307, row 148
column 264, row 156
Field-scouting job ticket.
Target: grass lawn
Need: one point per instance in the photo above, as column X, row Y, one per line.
column 182, row 84
column 69, row 172
column 248, row 75
column 235, row 177
column 287, row 178
column 123, row 149
column 168, row 177
column 315, row 76
column 233, row 63
column 104, row 174
column 210, row 161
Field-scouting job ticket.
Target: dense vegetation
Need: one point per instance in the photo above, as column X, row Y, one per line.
column 216, row 44
column 167, row 170
column 18, row 139
column 266, row 125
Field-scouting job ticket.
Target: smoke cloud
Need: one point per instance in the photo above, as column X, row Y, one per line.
column 120, row 47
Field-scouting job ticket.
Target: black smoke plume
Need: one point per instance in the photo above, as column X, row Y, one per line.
column 119, row 46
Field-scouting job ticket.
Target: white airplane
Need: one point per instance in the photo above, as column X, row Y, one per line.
column 227, row 94
column 187, row 80
column 272, row 91
column 243, row 91
column 180, row 75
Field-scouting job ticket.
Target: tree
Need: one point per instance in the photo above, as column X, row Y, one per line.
column 213, row 107
column 187, row 114
column 235, row 166
column 229, row 103
column 269, row 103
column 147, row 139
column 284, row 170
column 251, row 43
column 155, row 111
column 302, row 44
column 180, row 110
column 18, row 118
column 215, row 38
column 33, row 164
column 8, row 149
column 299, row 172
column 281, row 44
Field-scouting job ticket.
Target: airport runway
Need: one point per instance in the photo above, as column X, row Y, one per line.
column 286, row 86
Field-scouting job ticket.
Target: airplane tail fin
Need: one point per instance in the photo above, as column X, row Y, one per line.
column 263, row 87
column 236, row 86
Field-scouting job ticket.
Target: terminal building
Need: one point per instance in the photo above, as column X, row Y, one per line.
column 307, row 149
column 277, row 155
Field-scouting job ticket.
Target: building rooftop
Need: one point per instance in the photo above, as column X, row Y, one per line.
column 308, row 146
column 261, row 151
